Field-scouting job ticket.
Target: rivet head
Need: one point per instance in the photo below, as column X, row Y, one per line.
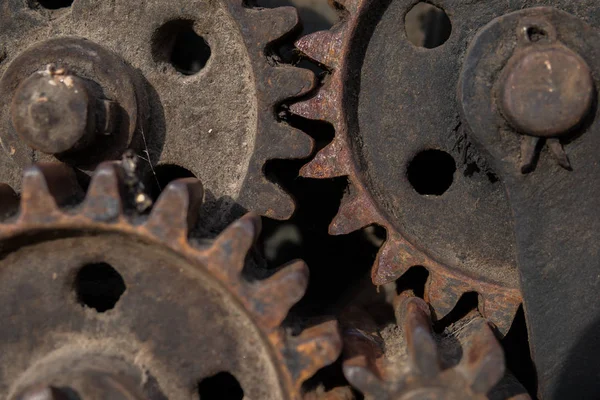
column 547, row 91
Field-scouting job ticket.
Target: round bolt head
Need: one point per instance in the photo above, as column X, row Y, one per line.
column 547, row 91
column 51, row 112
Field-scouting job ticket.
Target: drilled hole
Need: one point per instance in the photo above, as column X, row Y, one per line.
column 222, row 386
column 178, row 44
column 99, row 286
column 535, row 34
column 55, row 4
column 431, row 172
column 427, row 26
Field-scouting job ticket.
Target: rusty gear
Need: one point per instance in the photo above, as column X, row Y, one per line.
column 410, row 361
column 117, row 81
column 186, row 311
column 389, row 102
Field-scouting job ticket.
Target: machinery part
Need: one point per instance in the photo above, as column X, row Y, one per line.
column 396, row 117
column 53, row 93
column 555, row 208
column 411, row 362
column 176, row 309
column 192, row 84
column 58, row 109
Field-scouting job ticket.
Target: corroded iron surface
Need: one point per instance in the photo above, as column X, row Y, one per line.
column 464, row 236
column 410, row 361
column 187, row 312
column 551, row 177
column 214, row 115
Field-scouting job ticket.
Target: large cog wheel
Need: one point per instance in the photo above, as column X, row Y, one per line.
column 383, row 122
column 186, row 312
column 215, row 116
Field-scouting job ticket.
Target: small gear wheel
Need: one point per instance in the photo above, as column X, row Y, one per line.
column 410, row 361
column 400, row 141
column 192, row 86
column 99, row 300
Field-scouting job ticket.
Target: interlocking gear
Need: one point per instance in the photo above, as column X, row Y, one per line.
column 394, row 109
column 190, row 84
column 410, row 361
column 185, row 311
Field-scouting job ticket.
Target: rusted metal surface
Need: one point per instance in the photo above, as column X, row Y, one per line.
column 68, row 134
column 215, row 116
column 555, row 208
column 187, row 312
column 410, row 361
column 388, row 102
column 548, row 90
column 54, row 112
column 87, row 385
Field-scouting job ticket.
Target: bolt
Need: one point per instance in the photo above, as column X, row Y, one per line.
column 547, row 91
column 43, row 393
column 55, row 112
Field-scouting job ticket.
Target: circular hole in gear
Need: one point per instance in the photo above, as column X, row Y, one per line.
column 431, row 172
column 535, row 34
column 427, row 26
column 222, row 386
column 99, row 286
column 54, row 4
column 178, row 44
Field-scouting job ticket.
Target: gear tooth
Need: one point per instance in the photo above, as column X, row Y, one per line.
column 176, row 210
column 287, row 82
column 355, row 212
column 9, row 201
column 483, row 364
column 230, row 248
column 331, row 162
column 500, row 308
column 276, row 295
column 315, row 348
column 422, row 348
column 104, row 199
column 442, row 294
column 268, row 199
column 320, row 107
column 324, row 47
column 350, row 5
column 359, row 375
column 290, row 143
column 272, row 24
column 45, row 188
column 395, row 257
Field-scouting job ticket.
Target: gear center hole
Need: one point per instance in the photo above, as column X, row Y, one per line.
column 431, row 172
column 178, row 44
column 99, row 286
column 427, row 26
